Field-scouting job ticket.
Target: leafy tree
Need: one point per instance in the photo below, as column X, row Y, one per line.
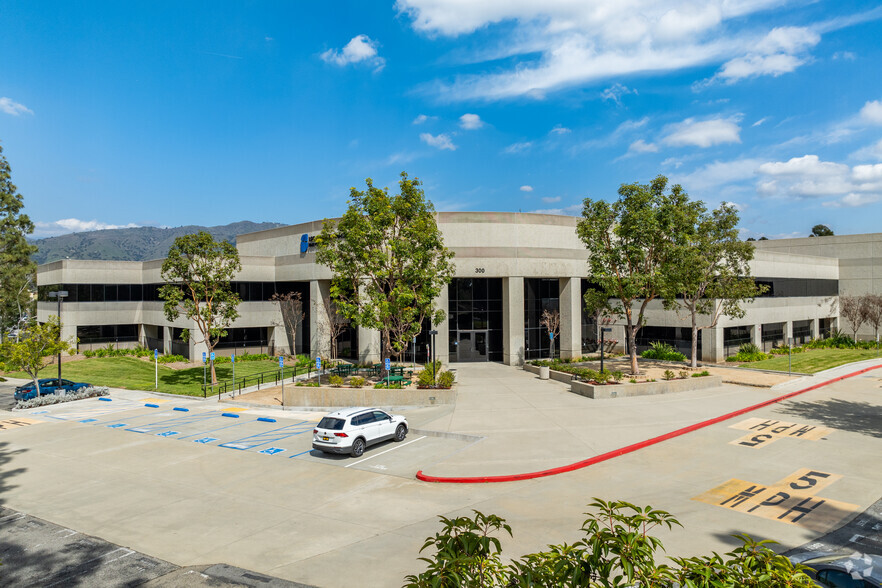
column 16, row 267
column 853, row 310
column 35, row 343
column 616, row 551
column 291, row 307
column 763, row 238
column 873, row 312
column 389, row 262
column 629, row 244
column 198, row 271
column 551, row 321
column 709, row 271
column 821, row 231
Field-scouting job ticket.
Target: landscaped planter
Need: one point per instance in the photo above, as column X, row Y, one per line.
column 645, row 388
column 308, row 396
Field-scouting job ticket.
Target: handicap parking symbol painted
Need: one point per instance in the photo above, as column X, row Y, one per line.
column 88, row 420
column 205, row 440
column 117, row 426
column 167, row 433
column 271, row 450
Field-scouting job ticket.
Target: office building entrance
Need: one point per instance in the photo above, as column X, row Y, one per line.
column 472, row 346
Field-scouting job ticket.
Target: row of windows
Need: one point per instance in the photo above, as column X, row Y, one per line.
column 248, row 291
column 794, row 287
column 107, row 333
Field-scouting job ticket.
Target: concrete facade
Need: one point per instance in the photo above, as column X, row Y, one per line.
column 508, row 247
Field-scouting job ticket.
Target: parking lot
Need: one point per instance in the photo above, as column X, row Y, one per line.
column 194, row 487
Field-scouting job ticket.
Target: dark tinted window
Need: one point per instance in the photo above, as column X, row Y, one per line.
column 331, row 423
column 379, row 415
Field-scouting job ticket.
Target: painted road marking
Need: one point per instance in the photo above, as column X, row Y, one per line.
column 235, row 424
column 173, row 422
column 238, row 409
column 156, row 400
column 271, row 450
column 301, row 453
column 167, row 433
column 7, row 424
column 271, row 436
column 382, row 452
column 762, row 432
column 204, row 440
column 790, row 500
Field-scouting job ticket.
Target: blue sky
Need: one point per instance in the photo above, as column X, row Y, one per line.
column 174, row 113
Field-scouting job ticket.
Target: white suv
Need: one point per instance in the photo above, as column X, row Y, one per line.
column 352, row 429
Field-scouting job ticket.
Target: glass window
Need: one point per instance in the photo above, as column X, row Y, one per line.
column 84, row 293
column 379, row 415
column 110, row 293
column 331, row 423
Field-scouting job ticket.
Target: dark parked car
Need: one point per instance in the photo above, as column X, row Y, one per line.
column 839, row 570
column 48, row 386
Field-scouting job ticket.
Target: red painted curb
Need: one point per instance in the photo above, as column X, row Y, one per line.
column 629, row 448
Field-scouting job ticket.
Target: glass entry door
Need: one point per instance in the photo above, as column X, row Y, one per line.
column 472, row 346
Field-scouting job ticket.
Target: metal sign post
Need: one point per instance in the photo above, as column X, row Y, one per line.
column 60, row 294
column 282, row 367
column 318, row 368
column 413, row 364
column 434, row 369
column 789, row 355
column 156, row 365
column 602, row 331
column 551, row 339
column 212, row 371
column 388, row 367
column 203, row 370
column 233, row 361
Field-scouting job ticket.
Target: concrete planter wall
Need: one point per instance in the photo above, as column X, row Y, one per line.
column 645, row 388
column 326, row 396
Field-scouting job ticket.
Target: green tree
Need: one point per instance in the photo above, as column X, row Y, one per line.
column 629, row 243
column 389, row 262
column 197, row 272
column 708, row 274
column 617, row 550
column 35, row 343
column 16, row 267
column 821, row 231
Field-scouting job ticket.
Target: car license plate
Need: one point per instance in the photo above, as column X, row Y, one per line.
column 326, row 438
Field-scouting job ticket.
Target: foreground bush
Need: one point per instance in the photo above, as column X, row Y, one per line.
column 663, row 351
column 46, row 400
column 617, row 550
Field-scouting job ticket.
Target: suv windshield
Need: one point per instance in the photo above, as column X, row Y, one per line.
column 331, row 423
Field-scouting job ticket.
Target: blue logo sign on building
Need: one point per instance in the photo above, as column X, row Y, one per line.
column 304, row 243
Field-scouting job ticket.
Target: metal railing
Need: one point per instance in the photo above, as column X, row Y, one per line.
column 259, row 379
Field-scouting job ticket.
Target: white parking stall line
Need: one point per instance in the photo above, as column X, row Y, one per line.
column 382, row 452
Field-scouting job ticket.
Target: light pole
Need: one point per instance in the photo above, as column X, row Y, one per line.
column 433, row 333
column 60, row 294
column 602, row 331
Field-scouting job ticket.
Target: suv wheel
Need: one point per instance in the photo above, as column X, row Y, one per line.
column 400, row 433
column 357, row 448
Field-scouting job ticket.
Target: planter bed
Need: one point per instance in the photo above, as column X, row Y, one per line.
column 628, row 389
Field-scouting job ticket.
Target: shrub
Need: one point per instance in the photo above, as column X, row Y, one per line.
column 390, row 385
column 356, row 382
column 663, row 351
column 336, row 381
column 171, row 358
column 253, row 357
column 307, row 384
column 90, row 392
column 749, row 348
column 617, row 376
column 748, row 357
column 701, row 374
column 424, row 378
column 446, row 379
column 669, row 375
column 633, row 380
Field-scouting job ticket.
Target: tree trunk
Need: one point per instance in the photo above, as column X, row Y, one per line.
column 694, row 362
column 632, row 348
column 213, row 374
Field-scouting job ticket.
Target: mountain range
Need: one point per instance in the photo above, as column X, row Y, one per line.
column 134, row 244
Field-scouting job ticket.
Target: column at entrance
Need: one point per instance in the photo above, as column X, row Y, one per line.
column 570, row 343
column 513, row 345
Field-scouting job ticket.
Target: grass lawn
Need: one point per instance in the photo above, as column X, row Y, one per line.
column 814, row 360
column 137, row 374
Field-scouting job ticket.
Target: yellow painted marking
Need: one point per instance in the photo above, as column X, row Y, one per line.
column 157, row 400
column 755, row 440
column 16, row 423
column 236, row 409
column 791, row 500
column 762, row 432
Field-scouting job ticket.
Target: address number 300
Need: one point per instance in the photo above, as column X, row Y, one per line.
column 479, row 270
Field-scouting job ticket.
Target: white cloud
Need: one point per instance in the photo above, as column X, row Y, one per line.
column 551, row 199
column 361, row 49
column 74, row 225
column 423, row 118
column 572, row 210
column 873, row 151
column 518, row 147
column 872, row 112
column 808, row 177
column 615, row 92
column 583, row 42
column 641, row 146
column 526, row 188
column 846, row 55
column 401, row 157
column 703, row 133
column 9, row 106
column 719, row 173
column 470, row 122
column 780, row 52
column 559, row 130
column 441, row 141
column 760, row 121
